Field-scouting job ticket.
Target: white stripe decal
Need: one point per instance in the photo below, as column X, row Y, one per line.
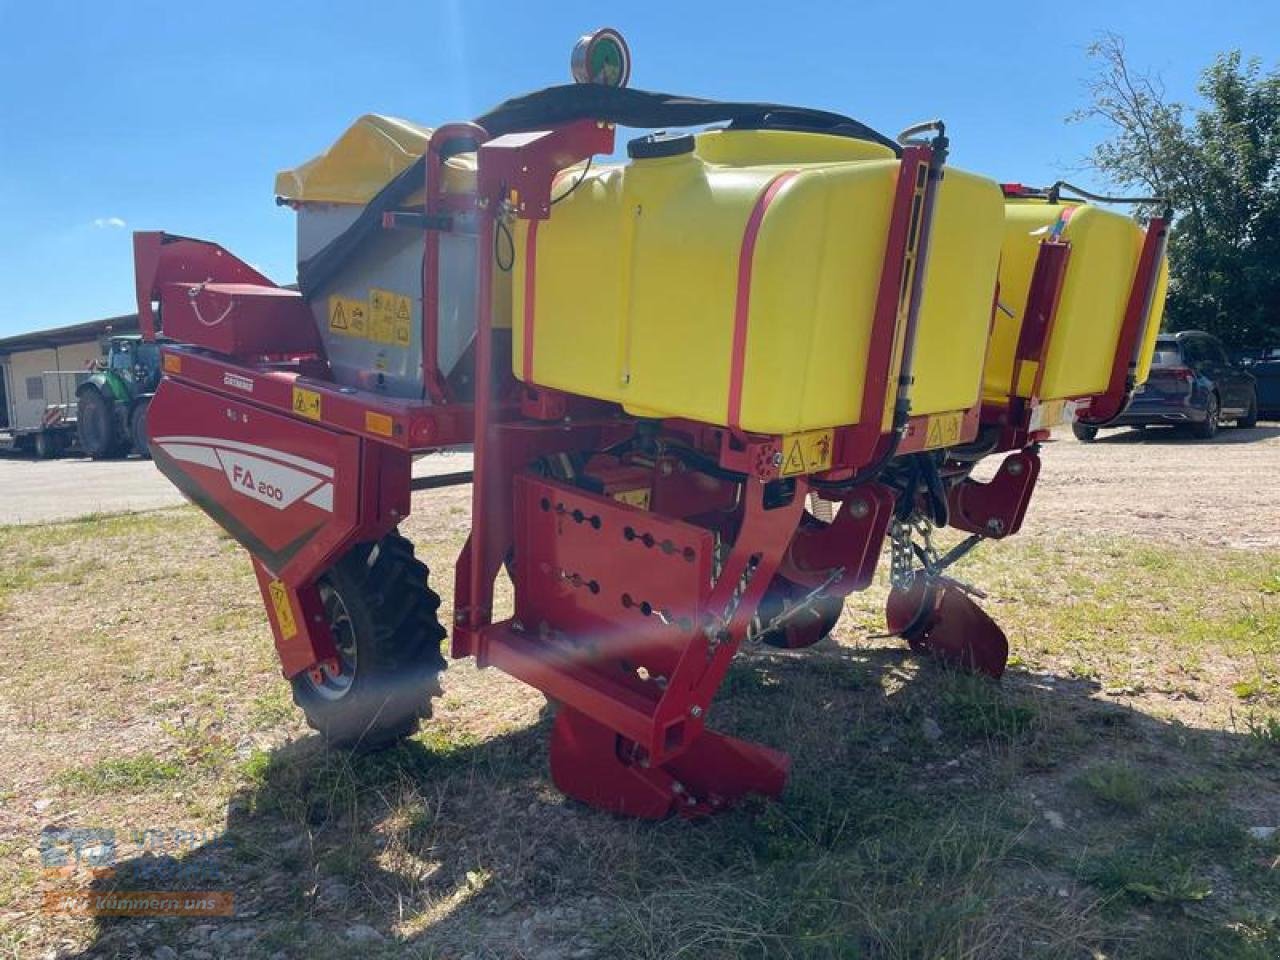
column 218, row 443
column 321, row 497
column 191, row 453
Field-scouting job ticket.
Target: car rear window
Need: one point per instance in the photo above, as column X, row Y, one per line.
column 1167, row 355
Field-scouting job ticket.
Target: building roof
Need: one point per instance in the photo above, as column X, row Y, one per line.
column 75, row 333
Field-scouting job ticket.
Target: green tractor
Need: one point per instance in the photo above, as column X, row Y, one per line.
column 111, row 406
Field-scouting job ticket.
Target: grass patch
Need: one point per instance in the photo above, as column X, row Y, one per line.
column 123, row 774
column 929, row 814
column 1115, row 786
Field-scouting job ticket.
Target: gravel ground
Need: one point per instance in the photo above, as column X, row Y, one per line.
column 1163, row 485
column 1158, row 484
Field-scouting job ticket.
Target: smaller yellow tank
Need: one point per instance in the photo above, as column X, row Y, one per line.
column 1105, row 248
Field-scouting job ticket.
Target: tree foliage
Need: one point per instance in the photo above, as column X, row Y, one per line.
column 1219, row 165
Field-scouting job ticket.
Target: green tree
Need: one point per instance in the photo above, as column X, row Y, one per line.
column 1219, row 165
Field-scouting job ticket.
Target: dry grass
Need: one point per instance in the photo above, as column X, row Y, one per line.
column 1096, row 803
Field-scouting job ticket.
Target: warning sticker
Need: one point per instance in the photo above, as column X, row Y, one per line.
column 390, row 317
column 638, row 497
column 306, row 403
column 348, row 317
column 944, row 430
column 284, row 612
column 806, row 452
column 378, row 423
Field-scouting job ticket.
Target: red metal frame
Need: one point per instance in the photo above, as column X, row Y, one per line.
column 1133, row 333
column 436, row 202
column 626, row 613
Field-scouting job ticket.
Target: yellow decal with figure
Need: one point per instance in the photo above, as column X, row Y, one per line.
column 390, row 317
column 348, row 317
column 944, row 430
column 306, row 403
column 808, row 452
column 284, row 610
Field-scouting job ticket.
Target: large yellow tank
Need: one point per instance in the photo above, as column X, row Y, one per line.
column 1105, row 247
column 636, row 282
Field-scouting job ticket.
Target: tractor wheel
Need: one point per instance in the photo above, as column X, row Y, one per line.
column 385, row 625
column 805, row 629
column 96, row 425
column 138, row 429
column 48, row 445
column 1084, row 433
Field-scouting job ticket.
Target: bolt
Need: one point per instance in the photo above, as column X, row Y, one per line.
column 695, row 711
column 1015, row 467
column 858, row 509
column 460, row 617
column 995, row 525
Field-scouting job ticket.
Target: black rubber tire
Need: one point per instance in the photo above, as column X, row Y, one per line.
column 1084, row 433
column 47, row 445
column 96, row 428
column 396, row 634
column 1250, row 418
column 1207, row 429
column 138, row 435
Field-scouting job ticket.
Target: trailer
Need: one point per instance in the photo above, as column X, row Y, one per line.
column 706, row 387
column 40, row 374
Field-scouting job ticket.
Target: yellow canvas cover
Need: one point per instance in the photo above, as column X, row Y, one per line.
column 371, row 153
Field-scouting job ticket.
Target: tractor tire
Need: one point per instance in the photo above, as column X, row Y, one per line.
column 48, row 445
column 385, row 623
column 1084, row 433
column 1250, row 418
column 138, row 429
column 1208, row 428
column 96, row 428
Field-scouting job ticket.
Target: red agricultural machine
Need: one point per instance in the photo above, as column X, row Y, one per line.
column 703, row 386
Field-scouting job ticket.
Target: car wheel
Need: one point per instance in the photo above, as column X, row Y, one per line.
column 1208, row 428
column 1250, row 418
column 1084, row 433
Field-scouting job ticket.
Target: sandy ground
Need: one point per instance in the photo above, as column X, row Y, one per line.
column 36, row 491
column 1166, row 486
column 1157, row 484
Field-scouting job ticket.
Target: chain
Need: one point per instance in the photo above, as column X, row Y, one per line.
column 905, row 551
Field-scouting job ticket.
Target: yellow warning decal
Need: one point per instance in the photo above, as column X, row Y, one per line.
column 390, row 317
column 172, row 363
column 306, row 403
column 378, row 423
column 808, row 452
column 638, row 497
column 348, row 316
column 944, row 430
column 284, row 611
column 1052, row 414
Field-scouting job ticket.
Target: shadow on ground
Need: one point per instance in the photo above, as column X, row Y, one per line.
column 929, row 814
column 1179, row 435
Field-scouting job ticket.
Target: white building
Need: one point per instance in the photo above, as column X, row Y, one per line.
column 28, row 396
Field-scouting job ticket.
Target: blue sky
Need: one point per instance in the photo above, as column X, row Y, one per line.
column 117, row 116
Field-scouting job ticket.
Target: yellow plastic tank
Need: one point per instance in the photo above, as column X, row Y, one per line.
column 1105, row 247
column 636, row 282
